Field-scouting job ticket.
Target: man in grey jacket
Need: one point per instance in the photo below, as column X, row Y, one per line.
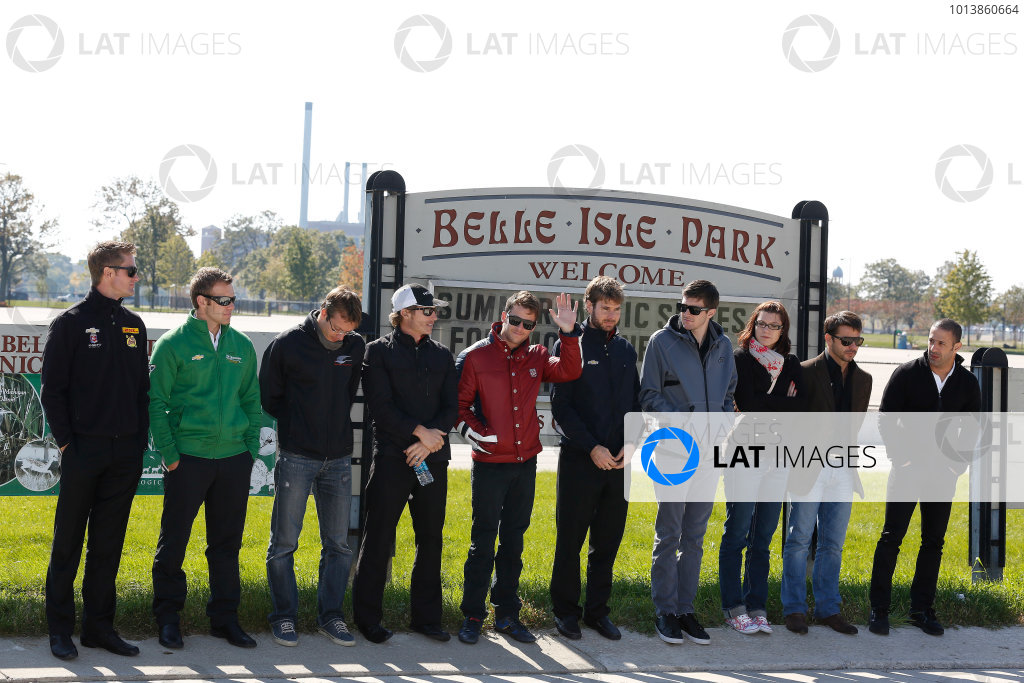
column 689, row 368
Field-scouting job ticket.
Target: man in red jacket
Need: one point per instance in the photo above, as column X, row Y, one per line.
column 499, row 380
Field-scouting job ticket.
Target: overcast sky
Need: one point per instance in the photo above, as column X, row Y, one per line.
column 900, row 117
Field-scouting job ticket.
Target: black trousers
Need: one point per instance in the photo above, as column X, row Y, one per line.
column 391, row 485
column 502, row 504
column 223, row 486
column 99, row 477
column 934, row 520
column 591, row 500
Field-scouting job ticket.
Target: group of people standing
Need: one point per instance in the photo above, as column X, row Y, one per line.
column 687, row 369
column 202, row 399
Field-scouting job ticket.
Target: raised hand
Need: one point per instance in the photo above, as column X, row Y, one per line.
column 565, row 318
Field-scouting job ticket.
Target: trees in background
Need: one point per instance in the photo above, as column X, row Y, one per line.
column 897, row 290
column 967, row 291
column 145, row 216
column 24, row 233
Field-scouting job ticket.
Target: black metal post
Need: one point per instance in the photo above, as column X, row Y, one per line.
column 987, row 511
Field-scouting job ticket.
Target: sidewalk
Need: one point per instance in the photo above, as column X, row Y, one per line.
column 409, row 654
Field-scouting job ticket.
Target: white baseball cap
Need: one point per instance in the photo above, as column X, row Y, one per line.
column 415, row 295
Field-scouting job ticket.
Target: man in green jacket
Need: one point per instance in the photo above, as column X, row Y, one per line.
column 205, row 419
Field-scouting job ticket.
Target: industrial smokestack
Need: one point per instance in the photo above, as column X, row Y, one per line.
column 307, row 134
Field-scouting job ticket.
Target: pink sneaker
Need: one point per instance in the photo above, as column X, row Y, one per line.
column 762, row 624
column 743, row 623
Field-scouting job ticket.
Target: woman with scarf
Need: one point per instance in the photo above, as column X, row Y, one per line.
column 768, row 381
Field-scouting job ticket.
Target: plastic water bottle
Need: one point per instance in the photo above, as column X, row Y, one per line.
column 423, row 474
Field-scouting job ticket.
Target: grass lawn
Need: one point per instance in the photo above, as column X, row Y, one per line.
column 25, row 539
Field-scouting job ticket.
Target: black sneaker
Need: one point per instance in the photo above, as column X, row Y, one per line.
column 927, row 622
column 668, row 629
column 692, row 629
column 470, row 631
column 878, row 622
column 513, row 628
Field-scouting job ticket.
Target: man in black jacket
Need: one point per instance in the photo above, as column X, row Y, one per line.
column 935, row 382
column 589, row 414
column 95, row 395
column 308, row 381
column 412, row 397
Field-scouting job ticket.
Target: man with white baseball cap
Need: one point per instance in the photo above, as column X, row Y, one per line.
column 411, row 392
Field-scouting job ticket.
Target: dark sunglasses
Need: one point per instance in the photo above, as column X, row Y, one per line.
column 846, row 341
column 220, row 300
column 516, row 321
column 768, row 326
column 131, row 270
column 427, row 310
column 694, row 310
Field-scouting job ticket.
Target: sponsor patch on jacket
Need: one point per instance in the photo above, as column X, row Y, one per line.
column 533, row 372
column 130, row 330
column 198, row 356
column 94, row 337
column 232, row 359
column 130, row 341
column 593, row 362
column 343, row 360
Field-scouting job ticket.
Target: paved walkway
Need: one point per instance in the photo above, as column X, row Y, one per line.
column 635, row 659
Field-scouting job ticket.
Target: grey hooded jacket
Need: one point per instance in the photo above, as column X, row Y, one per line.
column 673, row 378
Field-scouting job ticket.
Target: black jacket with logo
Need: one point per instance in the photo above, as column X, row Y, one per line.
column 408, row 384
column 589, row 411
column 309, row 389
column 95, row 376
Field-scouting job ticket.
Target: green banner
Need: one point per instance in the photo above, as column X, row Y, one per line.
column 30, row 458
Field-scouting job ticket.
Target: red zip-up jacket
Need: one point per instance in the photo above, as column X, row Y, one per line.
column 498, row 389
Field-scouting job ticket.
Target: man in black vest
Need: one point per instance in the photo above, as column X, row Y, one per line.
column 95, row 395
column 589, row 414
column 935, row 382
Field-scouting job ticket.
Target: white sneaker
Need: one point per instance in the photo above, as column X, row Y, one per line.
column 744, row 624
column 762, row 624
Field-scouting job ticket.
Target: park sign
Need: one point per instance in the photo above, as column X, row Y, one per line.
column 547, row 240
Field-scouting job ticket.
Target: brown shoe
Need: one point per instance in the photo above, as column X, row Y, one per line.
column 797, row 622
column 838, row 624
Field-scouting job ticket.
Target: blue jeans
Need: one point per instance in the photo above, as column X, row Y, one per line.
column 678, row 549
column 331, row 484
column 751, row 526
column 829, row 505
